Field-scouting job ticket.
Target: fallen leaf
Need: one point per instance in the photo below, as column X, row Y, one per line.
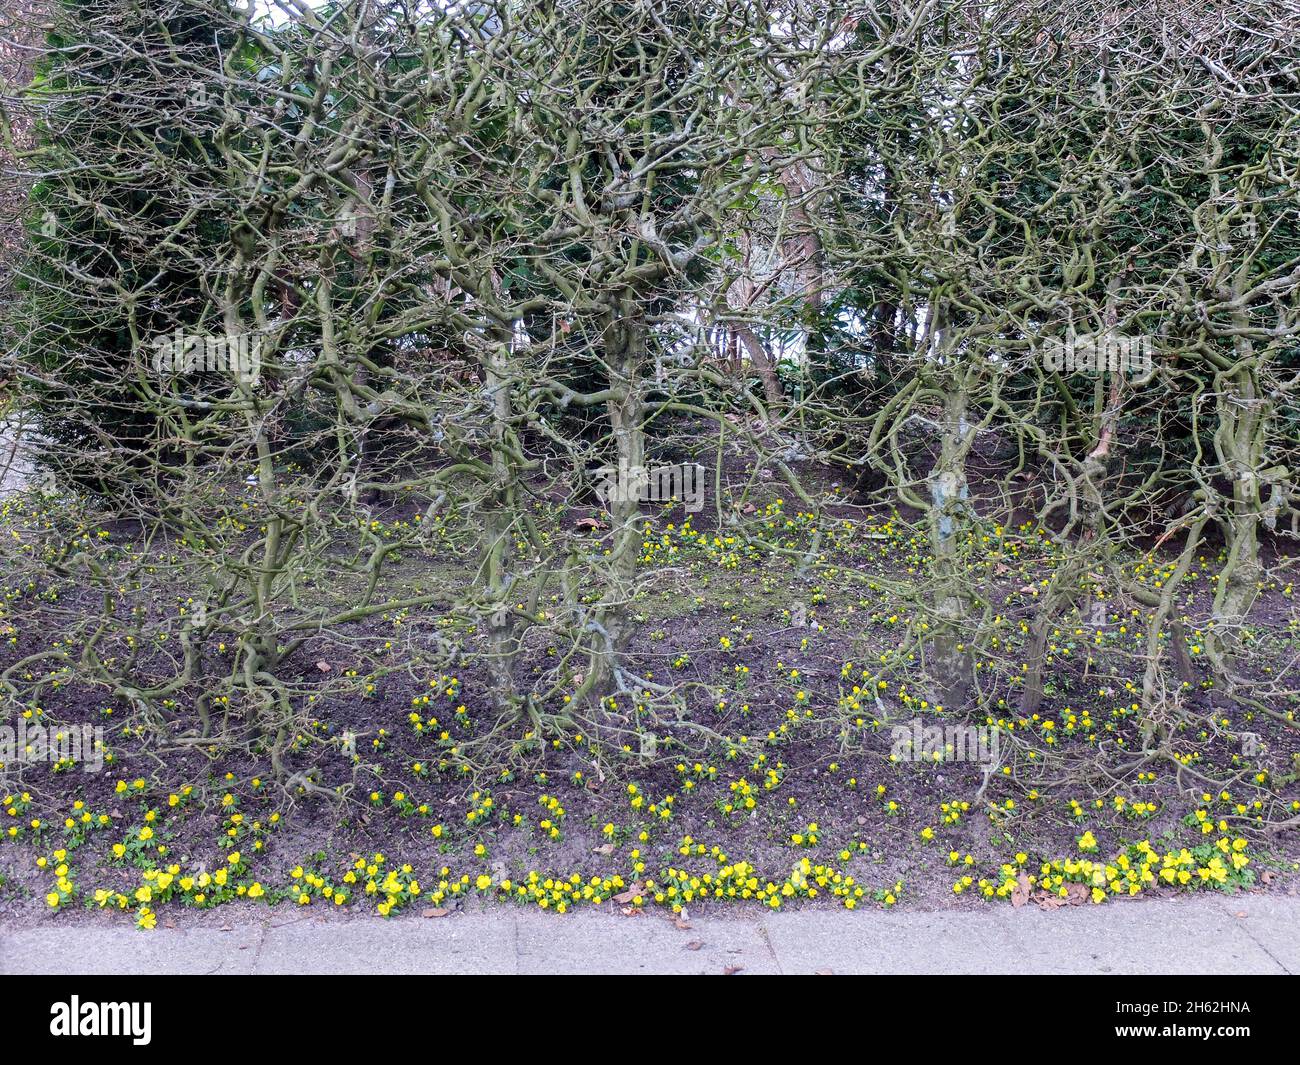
column 731, row 970
column 604, row 848
column 435, row 911
column 1020, row 893
column 694, row 944
column 683, row 926
column 632, row 892
column 589, row 523
column 323, row 666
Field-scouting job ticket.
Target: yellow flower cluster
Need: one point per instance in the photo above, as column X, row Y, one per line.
column 738, row 881
column 551, row 825
column 1140, row 867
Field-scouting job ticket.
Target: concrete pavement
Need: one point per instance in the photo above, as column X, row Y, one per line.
column 1207, row 934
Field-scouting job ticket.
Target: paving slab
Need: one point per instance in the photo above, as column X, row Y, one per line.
column 85, row 951
column 448, row 946
column 1169, row 937
column 1271, row 921
column 837, row 942
column 607, row 944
